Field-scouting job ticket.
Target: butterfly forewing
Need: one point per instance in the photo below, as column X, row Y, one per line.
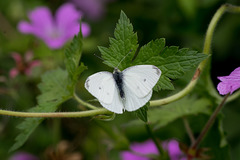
column 101, row 85
column 140, row 79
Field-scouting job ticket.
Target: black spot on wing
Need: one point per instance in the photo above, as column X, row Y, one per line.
column 144, row 80
column 87, row 85
column 157, row 70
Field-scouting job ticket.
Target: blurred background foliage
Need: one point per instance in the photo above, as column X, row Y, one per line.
column 182, row 22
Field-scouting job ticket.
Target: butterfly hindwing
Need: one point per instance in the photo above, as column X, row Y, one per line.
column 133, row 102
column 117, row 104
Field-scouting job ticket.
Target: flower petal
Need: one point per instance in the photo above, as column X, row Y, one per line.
column 93, row 9
column 30, row 67
column 85, row 29
column 42, row 18
column 25, row 27
column 23, row 156
column 223, row 88
column 41, row 23
column 229, row 83
column 236, row 72
column 55, row 43
column 13, row 73
column 66, row 16
column 17, row 57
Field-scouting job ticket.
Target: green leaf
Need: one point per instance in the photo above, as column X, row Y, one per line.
column 184, row 107
column 54, row 92
column 173, row 62
column 72, row 57
column 125, row 41
column 141, row 113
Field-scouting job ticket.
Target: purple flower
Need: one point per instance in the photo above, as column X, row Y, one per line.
column 148, row 147
column 174, row 151
column 23, row 156
column 24, row 64
column 93, row 9
column 229, row 83
column 54, row 31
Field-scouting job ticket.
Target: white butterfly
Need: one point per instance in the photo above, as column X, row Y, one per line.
column 127, row 90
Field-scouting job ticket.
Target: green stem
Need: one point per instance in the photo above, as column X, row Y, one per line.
column 84, row 103
column 188, row 129
column 159, row 147
column 206, row 49
column 209, row 124
column 56, row 114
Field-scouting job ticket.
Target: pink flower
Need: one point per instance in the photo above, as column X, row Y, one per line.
column 174, row 151
column 229, row 83
column 24, row 64
column 54, row 31
column 148, row 147
column 23, row 156
column 93, row 9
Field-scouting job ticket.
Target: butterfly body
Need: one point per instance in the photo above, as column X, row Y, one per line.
column 118, row 77
column 127, row 90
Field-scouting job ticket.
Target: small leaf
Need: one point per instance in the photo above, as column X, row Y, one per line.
column 141, row 113
column 72, row 57
column 125, row 41
column 186, row 106
column 54, row 92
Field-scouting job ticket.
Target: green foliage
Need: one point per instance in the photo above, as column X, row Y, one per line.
column 172, row 61
column 125, row 41
column 213, row 142
column 141, row 113
column 54, row 92
column 72, row 57
column 184, row 107
column 56, row 87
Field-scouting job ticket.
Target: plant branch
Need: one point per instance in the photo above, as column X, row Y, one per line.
column 188, row 129
column 209, row 123
column 159, row 147
column 56, row 114
column 84, row 103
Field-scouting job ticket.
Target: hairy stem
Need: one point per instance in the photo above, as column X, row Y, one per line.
column 56, row 114
column 188, row 129
column 83, row 102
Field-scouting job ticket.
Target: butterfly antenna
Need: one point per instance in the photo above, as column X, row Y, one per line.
column 101, row 59
column 124, row 58
column 98, row 57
